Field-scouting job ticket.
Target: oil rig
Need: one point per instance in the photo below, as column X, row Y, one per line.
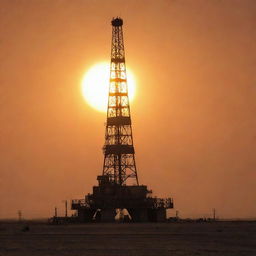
column 118, row 189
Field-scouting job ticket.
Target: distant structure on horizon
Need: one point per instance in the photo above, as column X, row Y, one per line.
column 118, row 189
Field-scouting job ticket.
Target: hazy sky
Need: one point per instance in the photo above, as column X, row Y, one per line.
column 193, row 116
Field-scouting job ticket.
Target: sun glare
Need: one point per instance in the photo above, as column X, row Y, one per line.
column 95, row 85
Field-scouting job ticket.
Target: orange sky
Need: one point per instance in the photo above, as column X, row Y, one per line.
column 193, row 116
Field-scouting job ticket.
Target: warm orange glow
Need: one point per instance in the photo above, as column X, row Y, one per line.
column 95, row 86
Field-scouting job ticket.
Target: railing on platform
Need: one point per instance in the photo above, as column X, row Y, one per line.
column 78, row 203
column 166, row 203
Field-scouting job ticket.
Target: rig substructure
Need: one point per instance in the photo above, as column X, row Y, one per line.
column 118, row 189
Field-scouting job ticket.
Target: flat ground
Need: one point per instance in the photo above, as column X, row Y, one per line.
column 219, row 238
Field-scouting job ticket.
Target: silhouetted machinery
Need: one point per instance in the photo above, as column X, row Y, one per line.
column 118, row 189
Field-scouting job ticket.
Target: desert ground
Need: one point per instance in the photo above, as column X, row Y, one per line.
column 118, row 239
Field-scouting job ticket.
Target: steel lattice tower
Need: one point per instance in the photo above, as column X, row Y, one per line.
column 119, row 161
column 118, row 186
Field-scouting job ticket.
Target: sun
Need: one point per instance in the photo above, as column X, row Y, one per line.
column 95, row 85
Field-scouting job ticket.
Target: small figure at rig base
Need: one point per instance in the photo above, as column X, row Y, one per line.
column 118, row 187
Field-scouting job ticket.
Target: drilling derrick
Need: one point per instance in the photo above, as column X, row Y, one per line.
column 119, row 161
column 118, row 187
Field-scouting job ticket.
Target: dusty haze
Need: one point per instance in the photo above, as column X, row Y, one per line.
column 193, row 116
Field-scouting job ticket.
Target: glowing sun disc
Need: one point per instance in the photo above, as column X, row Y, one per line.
column 95, row 86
